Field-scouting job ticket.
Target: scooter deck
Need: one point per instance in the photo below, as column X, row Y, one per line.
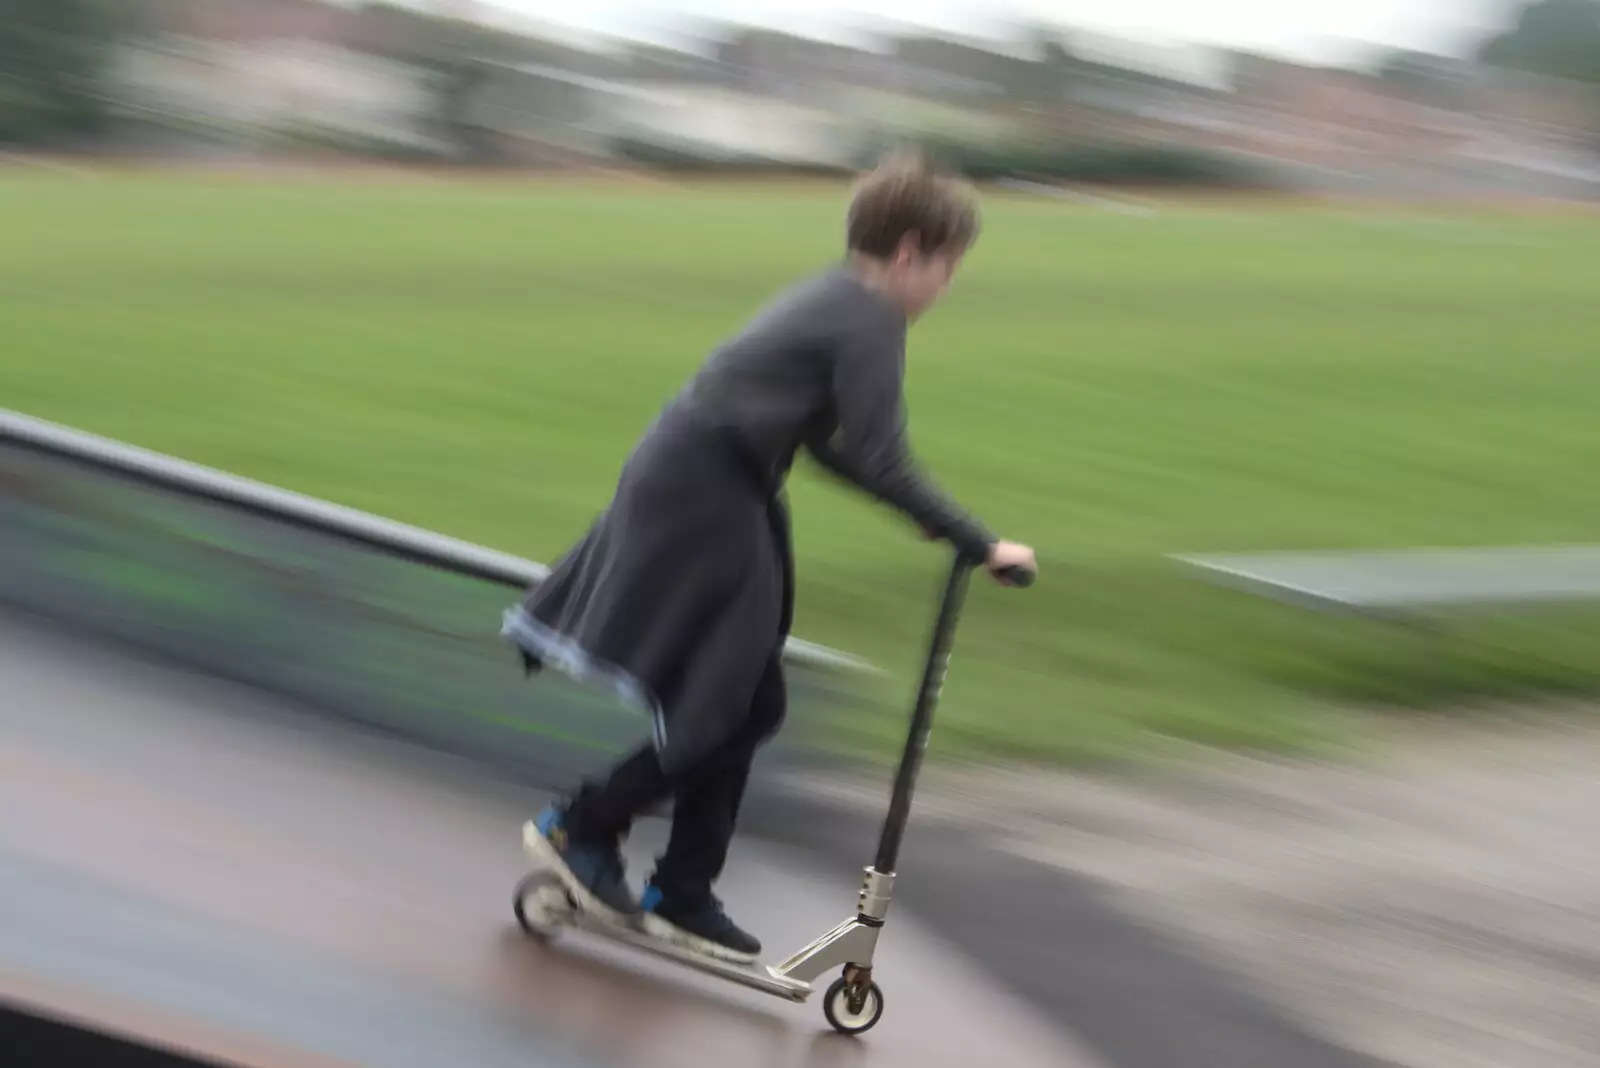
column 755, row 976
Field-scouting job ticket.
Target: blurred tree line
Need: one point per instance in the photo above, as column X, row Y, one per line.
column 56, row 63
column 457, row 58
column 1555, row 38
column 59, row 86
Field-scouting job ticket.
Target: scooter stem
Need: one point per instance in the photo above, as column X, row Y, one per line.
column 933, row 678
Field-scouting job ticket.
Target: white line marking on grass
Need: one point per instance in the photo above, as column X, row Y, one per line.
column 1121, row 207
column 1462, row 231
column 45, row 163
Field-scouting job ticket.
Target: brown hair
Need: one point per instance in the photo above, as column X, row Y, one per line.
column 907, row 193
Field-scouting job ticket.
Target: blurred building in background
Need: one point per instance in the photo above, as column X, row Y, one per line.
column 265, row 74
column 304, row 78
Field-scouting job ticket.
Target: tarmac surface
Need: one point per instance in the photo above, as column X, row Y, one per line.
column 186, row 862
column 191, row 862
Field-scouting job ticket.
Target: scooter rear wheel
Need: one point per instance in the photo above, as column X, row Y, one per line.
column 541, row 905
column 848, row 1019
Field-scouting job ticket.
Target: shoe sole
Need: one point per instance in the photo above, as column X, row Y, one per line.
column 586, row 899
column 656, row 927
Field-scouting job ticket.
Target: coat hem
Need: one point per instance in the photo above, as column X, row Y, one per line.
column 561, row 651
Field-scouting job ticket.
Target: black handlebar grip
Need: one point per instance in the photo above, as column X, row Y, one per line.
column 1019, row 577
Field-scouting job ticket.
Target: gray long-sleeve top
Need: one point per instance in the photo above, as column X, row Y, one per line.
column 822, row 366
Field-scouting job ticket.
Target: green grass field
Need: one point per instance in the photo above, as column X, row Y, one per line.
column 478, row 359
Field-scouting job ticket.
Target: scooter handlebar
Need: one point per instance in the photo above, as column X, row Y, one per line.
column 1020, row 577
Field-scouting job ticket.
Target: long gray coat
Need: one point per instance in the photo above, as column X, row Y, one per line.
column 680, row 595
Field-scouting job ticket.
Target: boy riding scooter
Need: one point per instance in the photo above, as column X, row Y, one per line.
column 681, row 594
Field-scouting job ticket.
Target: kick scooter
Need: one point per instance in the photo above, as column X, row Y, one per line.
column 854, row 1002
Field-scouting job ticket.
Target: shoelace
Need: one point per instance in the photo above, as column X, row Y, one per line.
column 716, row 913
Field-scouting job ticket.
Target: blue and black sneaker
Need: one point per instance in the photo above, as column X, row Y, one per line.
column 701, row 926
column 594, row 874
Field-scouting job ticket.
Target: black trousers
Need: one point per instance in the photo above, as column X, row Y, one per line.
column 706, row 797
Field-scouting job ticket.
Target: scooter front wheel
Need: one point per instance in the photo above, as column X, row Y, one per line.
column 851, row 1011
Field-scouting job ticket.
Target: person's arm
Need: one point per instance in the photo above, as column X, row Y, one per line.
column 869, row 448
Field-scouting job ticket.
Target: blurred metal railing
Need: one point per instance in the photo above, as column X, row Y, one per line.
column 385, row 535
column 387, row 623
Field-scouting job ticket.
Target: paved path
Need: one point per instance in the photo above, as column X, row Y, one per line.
column 185, row 859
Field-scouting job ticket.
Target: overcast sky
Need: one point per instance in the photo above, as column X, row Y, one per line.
column 1327, row 30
